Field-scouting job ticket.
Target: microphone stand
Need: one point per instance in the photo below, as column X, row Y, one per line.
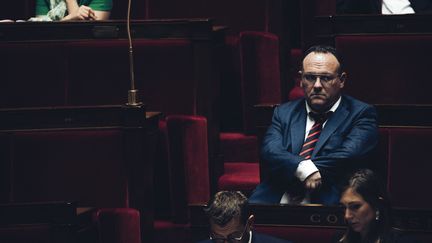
column 132, row 93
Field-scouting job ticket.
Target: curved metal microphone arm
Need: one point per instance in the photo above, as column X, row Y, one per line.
column 132, row 93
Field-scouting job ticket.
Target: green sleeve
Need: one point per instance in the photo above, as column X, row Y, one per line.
column 99, row 5
column 42, row 7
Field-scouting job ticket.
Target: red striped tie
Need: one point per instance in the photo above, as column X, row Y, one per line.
column 313, row 135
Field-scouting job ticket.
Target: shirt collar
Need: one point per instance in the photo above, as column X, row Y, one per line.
column 333, row 108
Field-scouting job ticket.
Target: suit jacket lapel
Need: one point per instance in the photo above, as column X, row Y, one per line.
column 298, row 126
column 332, row 124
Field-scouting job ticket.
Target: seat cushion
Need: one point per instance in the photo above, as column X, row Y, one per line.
column 240, row 176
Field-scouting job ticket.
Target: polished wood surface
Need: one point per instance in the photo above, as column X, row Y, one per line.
column 111, row 29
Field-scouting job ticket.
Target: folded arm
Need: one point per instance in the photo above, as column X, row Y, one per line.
column 282, row 163
column 359, row 140
column 356, row 144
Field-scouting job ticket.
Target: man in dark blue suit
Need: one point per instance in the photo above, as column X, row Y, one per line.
column 230, row 220
column 314, row 142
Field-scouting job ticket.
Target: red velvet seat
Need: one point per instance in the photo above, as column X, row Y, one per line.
column 189, row 168
column 260, row 83
column 241, row 167
column 240, row 176
column 260, row 73
column 186, row 173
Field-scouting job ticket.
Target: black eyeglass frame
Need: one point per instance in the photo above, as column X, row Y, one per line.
column 229, row 239
column 324, row 78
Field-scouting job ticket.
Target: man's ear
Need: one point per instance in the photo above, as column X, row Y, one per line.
column 342, row 79
column 251, row 221
column 300, row 78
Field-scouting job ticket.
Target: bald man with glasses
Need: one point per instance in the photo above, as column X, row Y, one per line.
column 313, row 143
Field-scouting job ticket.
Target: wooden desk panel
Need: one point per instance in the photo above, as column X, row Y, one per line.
column 130, row 132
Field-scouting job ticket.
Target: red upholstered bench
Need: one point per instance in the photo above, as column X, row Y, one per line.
column 240, row 176
column 241, row 167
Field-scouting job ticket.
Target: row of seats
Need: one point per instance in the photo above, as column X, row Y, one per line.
column 399, row 156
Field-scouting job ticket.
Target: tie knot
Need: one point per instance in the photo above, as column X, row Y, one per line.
column 320, row 117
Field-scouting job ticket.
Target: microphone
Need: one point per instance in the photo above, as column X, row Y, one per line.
column 132, row 93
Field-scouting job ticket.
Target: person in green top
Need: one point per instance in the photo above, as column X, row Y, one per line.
column 64, row 10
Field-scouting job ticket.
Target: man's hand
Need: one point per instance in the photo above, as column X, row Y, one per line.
column 313, row 181
column 82, row 13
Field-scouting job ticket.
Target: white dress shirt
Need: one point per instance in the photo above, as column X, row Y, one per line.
column 307, row 167
column 396, row 7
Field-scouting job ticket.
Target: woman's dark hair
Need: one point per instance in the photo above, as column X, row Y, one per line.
column 369, row 186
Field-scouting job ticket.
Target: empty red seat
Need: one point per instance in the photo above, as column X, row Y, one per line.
column 241, row 167
column 189, row 168
column 260, row 73
column 240, row 176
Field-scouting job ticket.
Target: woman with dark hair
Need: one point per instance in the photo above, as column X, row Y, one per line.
column 367, row 211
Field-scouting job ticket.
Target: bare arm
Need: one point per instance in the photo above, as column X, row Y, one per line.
column 83, row 12
column 102, row 15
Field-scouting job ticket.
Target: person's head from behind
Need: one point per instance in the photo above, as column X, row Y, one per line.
column 322, row 77
column 366, row 205
column 229, row 217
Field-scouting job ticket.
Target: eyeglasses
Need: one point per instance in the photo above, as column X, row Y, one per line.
column 324, row 79
column 229, row 239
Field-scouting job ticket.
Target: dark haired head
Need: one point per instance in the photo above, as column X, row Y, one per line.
column 369, row 186
column 325, row 49
column 226, row 205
